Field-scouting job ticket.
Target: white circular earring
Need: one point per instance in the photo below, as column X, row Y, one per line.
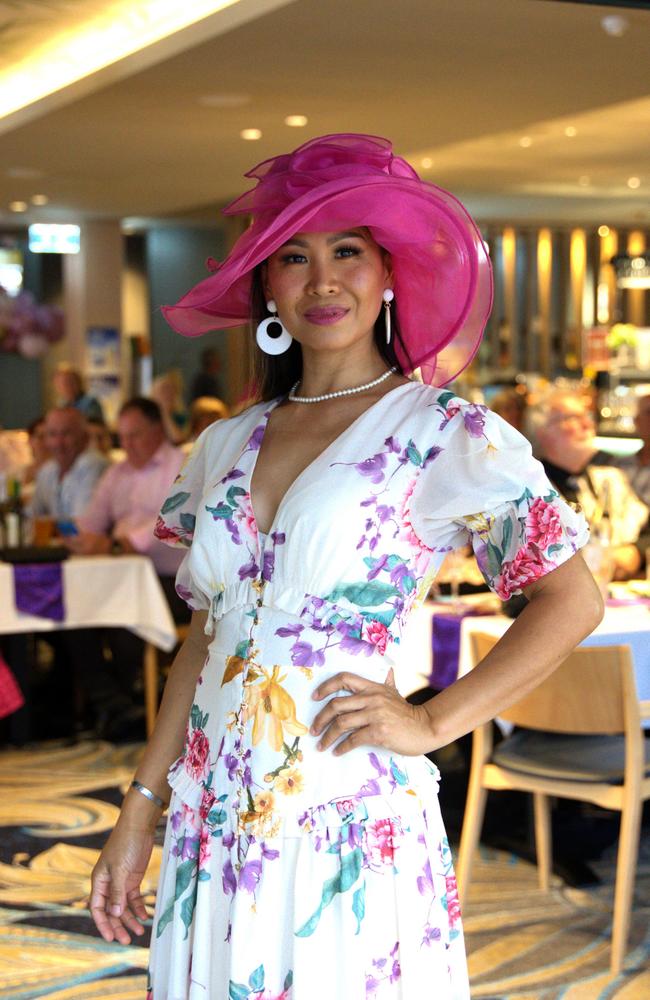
column 388, row 297
column 271, row 335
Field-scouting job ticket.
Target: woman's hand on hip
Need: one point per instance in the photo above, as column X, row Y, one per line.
column 371, row 714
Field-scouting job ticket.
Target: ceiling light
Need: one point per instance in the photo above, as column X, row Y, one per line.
column 296, row 121
column 634, row 182
column 39, row 199
column 570, row 131
column 525, row 141
column 251, row 134
column 426, row 162
column 603, row 231
column 224, row 100
column 614, row 25
column 584, row 181
column 17, row 206
column 114, row 32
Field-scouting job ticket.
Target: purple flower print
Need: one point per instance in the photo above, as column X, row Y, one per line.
column 233, row 531
column 278, row 537
column 250, row 875
column 474, row 420
column 431, row 934
column 231, row 763
column 228, row 879
column 269, row 852
column 372, row 467
column 393, row 445
column 304, row 655
column 228, row 840
column 233, row 474
column 268, row 565
column 256, row 438
column 425, row 881
column 287, row 631
column 248, row 571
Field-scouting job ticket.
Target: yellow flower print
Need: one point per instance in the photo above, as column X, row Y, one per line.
column 264, row 803
column 478, row 523
column 289, row 782
column 269, row 702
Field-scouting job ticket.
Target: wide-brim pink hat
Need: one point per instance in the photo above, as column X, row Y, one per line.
column 441, row 269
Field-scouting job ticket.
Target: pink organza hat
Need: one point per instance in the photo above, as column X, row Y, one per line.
column 442, row 273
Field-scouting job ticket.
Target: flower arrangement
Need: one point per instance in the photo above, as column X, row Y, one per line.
column 26, row 327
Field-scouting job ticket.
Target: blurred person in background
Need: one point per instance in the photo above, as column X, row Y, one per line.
column 561, row 429
column 203, row 412
column 100, row 436
column 69, row 389
column 206, row 381
column 167, row 392
column 65, row 482
column 40, row 455
column 511, row 405
column 637, row 467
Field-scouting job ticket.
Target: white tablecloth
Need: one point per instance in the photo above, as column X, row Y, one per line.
column 629, row 625
column 100, row 591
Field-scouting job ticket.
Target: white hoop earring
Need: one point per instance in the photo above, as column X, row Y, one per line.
column 388, row 297
column 271, row 335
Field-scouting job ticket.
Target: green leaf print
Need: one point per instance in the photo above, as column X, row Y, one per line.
column 414, row 455
column 238, row 992
column 188, row 523
column 506, row 537
column 222, row 510
column 348, row 875
column 555, row 548
column 288, row 981
column 385, row 617
column 366, row 594
column 184, row 874
column 359, row 905
column 174, row 501
column 195, row 717
column 256, row 979
column 495, row 559
column 444, row 398
column 187, row 909
column 165, row 919
column 242, row 649
column 233, row 493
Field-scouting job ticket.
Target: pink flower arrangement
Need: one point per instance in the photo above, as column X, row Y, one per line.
column 381, row 843
column 526, row 567
column 196, row 756
column 376, row 633
column 27, row 327
column 543, row 524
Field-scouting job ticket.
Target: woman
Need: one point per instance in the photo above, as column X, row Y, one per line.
column 305, row 855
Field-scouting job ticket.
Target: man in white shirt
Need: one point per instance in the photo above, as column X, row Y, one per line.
column 65, row 484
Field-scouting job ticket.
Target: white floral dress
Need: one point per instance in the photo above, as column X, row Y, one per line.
column 290, row 874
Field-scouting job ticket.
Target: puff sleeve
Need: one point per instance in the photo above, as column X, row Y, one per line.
column 486, row 489
column 177, row 519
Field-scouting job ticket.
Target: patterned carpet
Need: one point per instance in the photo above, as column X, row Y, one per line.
column 57, row 804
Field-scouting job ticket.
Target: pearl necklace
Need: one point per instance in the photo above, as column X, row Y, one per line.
column 341, row 392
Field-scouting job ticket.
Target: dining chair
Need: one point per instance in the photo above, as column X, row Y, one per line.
column 578, row 736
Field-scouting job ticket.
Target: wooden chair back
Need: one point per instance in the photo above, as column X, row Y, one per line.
column 592, row 691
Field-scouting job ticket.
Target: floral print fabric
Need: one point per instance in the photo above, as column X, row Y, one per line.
column 295, row 874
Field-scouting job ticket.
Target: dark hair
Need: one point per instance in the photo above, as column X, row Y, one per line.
column 147, row 407
column 274, row 375
column 31, row 428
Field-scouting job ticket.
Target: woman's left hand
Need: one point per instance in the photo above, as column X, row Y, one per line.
column 371, row 715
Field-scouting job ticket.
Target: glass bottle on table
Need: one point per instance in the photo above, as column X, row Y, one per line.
column 14, row 517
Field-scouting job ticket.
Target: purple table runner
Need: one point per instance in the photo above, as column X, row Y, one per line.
column 38, row 590
column 445, row 640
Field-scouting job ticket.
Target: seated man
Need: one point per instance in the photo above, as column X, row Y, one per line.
column 120, row 519
column 562, row 431
column 65, row 483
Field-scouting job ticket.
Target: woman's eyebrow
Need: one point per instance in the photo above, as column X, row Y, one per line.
column 351, row 234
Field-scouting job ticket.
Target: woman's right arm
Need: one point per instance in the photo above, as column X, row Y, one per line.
column 116, row 902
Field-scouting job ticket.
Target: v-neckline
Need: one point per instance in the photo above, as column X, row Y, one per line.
column 314, row 462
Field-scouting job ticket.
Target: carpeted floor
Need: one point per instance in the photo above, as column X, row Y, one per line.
column 57, row 804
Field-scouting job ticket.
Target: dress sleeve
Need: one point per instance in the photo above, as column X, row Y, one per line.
column 486, row 489
column 177, row 518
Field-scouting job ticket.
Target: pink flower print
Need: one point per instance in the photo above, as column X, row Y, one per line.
column 246, row 518
column 376, row 633
column 453, row 903
column 207, row 801
column 196, row 756
column 164, row 533
column 381, row 843
column 345, row 807
column 543, row 524
column 526, row 567
column 204, row 847
column 422, row 552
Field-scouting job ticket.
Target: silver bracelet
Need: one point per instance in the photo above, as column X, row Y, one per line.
column 148, row 794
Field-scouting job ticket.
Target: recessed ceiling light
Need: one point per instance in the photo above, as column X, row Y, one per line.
column 426, row 162
column 634, row 182
column 570, row 131
column 584, row 181
column 614, row 25
column 224, row 100
column 251, row 134
column 296, row 121
column 39, row 199
column 17, row 206
column 24, row 173
column 525, row 141
column 603, row 231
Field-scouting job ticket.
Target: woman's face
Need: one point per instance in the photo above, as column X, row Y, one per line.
column 328, row 287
